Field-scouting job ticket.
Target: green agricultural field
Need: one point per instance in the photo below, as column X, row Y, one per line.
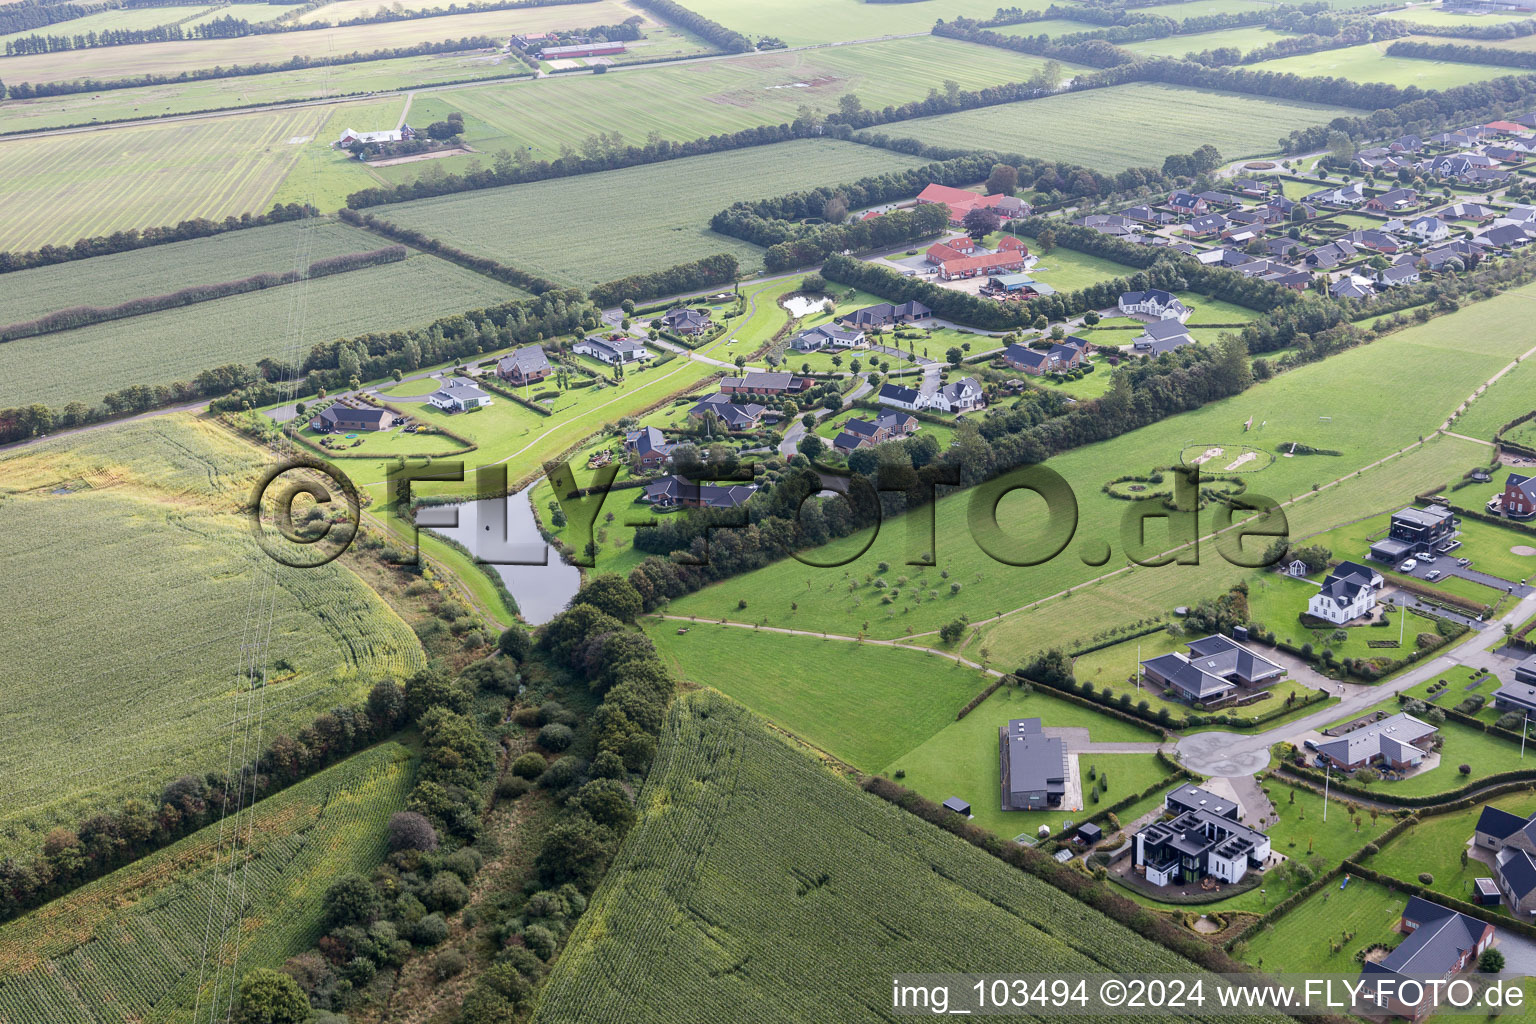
column 516, row 21
column 961, row 758
column 60, row 188
column 1054, row 127
column 253, row 90
column 1463, row 745
column 1510, row 397
column 118, row 20
column 1303, row 939
column 131, row 584
column 1427, row 14
column 168, row 58
column 175, row 344
column 1369, row 62
column 260, row 13
column 156, row 939
column 747, row 852
column 1242, row 39
column 799, row 22
column 1287, row 408
column 1440, row 844
column 682, row 102
column 1278, row 602
column 654, row 230
column 863, row 704
column 109, row 280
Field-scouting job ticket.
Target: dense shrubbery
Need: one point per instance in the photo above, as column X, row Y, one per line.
column 709, row 272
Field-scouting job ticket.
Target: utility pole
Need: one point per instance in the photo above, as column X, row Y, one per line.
column 1327, row 777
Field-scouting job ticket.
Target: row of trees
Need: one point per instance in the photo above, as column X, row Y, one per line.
column 25, row 15
column 726, row 39
column 29, row 90
column 81, row 316
column 1094, row 52
column 1464, row 53
column 709, row 272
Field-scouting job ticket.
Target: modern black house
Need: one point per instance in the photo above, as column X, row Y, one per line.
column 1203, row 838
column 1416, row 531
column 1033, row 766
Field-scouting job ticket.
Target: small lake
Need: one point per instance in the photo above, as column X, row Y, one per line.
column 540, row 581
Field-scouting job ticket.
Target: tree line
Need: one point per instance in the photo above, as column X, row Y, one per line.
column 514, row 276
column 726, row 39
column 25, row 15
column 1464, row 53
column 1095, row 52
column 29, row 90
column 83, row 316
column 709, row 272
column 136, row 238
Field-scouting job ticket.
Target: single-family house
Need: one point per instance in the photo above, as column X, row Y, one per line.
column 1440, row 943
column 1187, row 203
column 1519, row 498
column 1393, row 200
column 900, row 397
column 732, row 414
column 982, row 264
column 1513, row 842
column 1067, row 355
column 1428, row 229
column 1347, row 593
column 1199, row 842
column 1398, row 742
column 458, row 395
column 402, row 134
column 1033, row 766
column 1214, row 668
column 1505, row 236
column 1375, row 240
column 828, row 336
column 681, row 320
column 615, row 349
column 1155, row 302
column 679, row 492
column 964, row 395
column 886, row 314
column 1149, row 215
column 1403, row 273
column 1470, row 211
column 1415, row 531
column 762, row 382
column 526, row 365
column 649, row 445
column 888, row 425
column 1352, row 286
column 1331, row 254
column 346, row 414
column 1161, row 336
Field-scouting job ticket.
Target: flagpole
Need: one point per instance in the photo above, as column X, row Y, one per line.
column 1327, row 777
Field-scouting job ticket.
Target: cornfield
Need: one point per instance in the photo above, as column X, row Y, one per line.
column 168, row 938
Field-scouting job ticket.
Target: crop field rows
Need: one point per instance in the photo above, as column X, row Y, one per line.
column 1369, row 62
column 148, row 656
column 58, row 189
column 284, row 322
column 136, row 945
column 839, row 21
column 666, row 209
column 753, row 868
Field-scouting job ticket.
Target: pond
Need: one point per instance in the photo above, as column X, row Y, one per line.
column 535, row 574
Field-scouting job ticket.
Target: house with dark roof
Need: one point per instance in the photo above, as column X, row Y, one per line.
column 1149, row 215
column 1207, row 226
column 1325, row 257
column 686, row 321
column 828, row 336
column 1215, row 668
column 1398, row 742
column 1161, row 336
column 458, row 395
column 1346, row 594
column 649, row 446
column 1155, row 302
column 1186, row 203
column 1403, row 273
column 1519, row 498
column 1033, row 766
column 1511, row 838
column 614, row 350
column 1440, row 943
column 345, row 414
column 732, row 414
column 680, row 492
column 1428, row 229
column 526, row 365
column 762, row 382
column 886, row 314
column 964, row 395
column 1352, row 194
column 1375, row 240
column 900, row 397
column 890, row 425
column 1352, row 286
column 1506, row 236
column 1059, row 358
column 1414, row 531
column 1519, row 695
column 1470, row 211
column 1393, row 200
column 1204, row 838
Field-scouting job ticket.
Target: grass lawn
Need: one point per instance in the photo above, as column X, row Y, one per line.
column 1092, row 385
column 1463, row 745
column 1277, row 601
column 412, row 388
column 798, row 22
column 961, row 759
column 1436, row 845
column 861, row 703
column 1243, row 39
column 1369, row 62
column 1302, row 941
column 1067, row 270
column 1511, row 396
column 1461, row 682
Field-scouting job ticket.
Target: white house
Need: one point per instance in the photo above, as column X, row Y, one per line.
column 828, row 336
column 1156, row 303
column 1428, row 229
column 458, row 395
column 1348, row 593
column 900, row 397
column 613, row 350
column 961, row 396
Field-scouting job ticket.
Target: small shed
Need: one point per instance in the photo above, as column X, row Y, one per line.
column 1485, row 892
column 957, row 805
column 1090, row 833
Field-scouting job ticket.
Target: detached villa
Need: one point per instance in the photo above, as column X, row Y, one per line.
column 1204, row 838
column 1157, row 303
column 1512, row 839
column 1213, row 670
column 1348, row 593
column 1416, row 531
column 1440, row 942
column 1397, row 742
column 458, row 395
column 1033, row 766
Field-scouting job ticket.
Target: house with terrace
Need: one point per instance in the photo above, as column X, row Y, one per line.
column 1393, row 201
column 649, row 446
column 828, row 336
column 1511, row 840
column 1215, row 668
column 346, row 414
column 1161, row 336
column 1439, row 943
column 687, row 322
column 1204, row 838
column 1519, row 498
column 1398, row 742
column 1155, row 302
column 458, row 395
column 1519, row 695
column 526, row 365
column 615, row 349
column 1416, row 531
column 1393, row 277
column 964, row 395
column 762, row 382
column 679, row 492
column 1347, row 593
column 731, row 414
column 1059, row 358
column 890, row 425
column 1428, row 229
column 886, row 314
column 1031, row 765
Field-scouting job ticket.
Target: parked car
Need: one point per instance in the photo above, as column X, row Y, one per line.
column 1408, row 566
column 1433, row 574
column 1426, row 559
column 1463, row 562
